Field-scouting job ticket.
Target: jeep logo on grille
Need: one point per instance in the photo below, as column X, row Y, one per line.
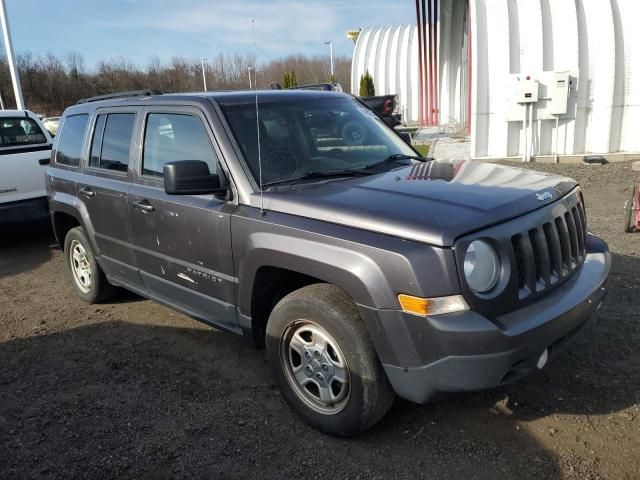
column 544, row 196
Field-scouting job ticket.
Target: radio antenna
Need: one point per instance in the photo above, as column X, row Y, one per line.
column 255, row 70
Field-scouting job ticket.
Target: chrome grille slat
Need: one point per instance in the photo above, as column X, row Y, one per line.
column 573, row 238
column 580, row 231
column 517, row 251
column 528, row 263
column 542, row 256
column 555, row 251
column 583, row 219
column 565, row 244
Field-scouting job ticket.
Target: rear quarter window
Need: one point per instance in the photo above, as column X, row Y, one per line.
column 71, row 140
column 111, row 143
column 20, row 132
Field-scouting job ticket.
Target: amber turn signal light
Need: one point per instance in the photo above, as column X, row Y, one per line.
column 432, row 306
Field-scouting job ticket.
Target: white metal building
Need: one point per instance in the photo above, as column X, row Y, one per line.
column 390, row 54
column 528, row 62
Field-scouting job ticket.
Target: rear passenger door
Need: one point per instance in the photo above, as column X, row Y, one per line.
column 104, row 187
column 183, row 242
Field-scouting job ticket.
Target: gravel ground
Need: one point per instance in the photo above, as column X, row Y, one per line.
column 447, row 148
column 132, row 389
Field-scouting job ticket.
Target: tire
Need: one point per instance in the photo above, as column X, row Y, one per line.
column 322, row 321
column 87, row 278
column 630, row 210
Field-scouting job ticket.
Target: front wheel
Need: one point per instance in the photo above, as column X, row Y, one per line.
column 324, row 362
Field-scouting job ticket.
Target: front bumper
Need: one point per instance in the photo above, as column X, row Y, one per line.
column 466, row 351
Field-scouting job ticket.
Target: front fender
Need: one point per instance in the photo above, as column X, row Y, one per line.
column 371, row 267
column 353, row 271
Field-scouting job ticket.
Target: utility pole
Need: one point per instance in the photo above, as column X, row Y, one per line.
column 204, row 76
column 330, row 43
column 249, row 69
column 15, row 79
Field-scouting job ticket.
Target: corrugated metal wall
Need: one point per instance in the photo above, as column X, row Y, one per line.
column 391, row 56
column 453, row 62
column 598, row 41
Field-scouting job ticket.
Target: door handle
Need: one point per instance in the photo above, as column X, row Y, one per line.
column 44, row 161
column 144, row 205
column 87, row 192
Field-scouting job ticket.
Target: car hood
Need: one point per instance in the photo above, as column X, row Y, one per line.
column 433, row 202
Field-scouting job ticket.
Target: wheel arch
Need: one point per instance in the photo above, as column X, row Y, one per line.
column 66, row 213
column 270, row 272
column 62, row 223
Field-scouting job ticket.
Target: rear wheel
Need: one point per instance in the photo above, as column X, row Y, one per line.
column 87, row 278
column 324, row 362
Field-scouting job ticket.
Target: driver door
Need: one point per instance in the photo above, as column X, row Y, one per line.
column 182, row 242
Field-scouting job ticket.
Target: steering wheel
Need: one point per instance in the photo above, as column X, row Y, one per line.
column 280, row 162
column 354, row 133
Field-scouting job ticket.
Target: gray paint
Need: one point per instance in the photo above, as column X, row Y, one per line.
column 447, row 200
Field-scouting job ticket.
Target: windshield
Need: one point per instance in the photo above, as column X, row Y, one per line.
column 302, row 136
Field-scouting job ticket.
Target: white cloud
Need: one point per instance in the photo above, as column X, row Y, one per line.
column 278, row 23
column 138, row 29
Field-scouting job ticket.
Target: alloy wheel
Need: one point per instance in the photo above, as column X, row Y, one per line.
column 315, row 367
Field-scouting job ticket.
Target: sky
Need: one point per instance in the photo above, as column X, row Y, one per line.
column 139, row 29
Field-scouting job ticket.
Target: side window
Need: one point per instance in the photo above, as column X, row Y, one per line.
column 112, row 141
column 96, row 144
column 71, row 140
column 20, row 132
column 173, row 137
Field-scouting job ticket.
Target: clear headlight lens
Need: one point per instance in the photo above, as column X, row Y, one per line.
column 481, row 266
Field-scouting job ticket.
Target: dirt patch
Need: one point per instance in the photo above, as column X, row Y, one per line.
column 132, row 389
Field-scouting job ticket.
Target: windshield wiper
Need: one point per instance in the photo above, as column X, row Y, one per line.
column 345, row 172
column 319, row 174
column 396, row 157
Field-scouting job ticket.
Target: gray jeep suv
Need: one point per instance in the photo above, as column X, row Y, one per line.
column 302, row 221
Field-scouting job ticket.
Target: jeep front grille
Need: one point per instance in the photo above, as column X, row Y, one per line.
column 550, row 252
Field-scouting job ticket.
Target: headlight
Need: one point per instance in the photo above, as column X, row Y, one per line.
column 481, row 266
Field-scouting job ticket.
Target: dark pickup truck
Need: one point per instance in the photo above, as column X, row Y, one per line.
column 385, row 106
column 366, row 270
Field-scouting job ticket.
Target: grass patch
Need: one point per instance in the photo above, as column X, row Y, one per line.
column 422, row 149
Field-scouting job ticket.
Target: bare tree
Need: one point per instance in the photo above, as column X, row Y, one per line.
column 52, row 83
column 75, row 65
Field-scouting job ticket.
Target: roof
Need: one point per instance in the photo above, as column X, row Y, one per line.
column 228, row 97
column 13, row 113
column 242, row 96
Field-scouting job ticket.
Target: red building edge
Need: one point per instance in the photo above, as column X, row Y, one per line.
column 428, row 21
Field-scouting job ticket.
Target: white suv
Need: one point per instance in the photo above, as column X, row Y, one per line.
column 25, row 150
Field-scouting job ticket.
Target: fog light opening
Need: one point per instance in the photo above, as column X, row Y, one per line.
column 542, row 361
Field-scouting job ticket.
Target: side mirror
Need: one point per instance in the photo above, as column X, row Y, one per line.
column 190, row 177
column 406, row 137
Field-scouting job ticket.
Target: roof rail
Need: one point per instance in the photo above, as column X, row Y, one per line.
column 109, row 96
